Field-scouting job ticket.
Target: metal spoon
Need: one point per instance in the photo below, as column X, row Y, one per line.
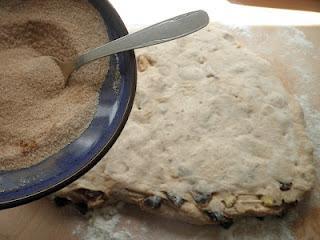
column 165, row 31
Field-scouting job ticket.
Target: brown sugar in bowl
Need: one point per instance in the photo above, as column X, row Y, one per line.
column 115, row 102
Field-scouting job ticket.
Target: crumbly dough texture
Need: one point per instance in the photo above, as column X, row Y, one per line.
column 213, row 135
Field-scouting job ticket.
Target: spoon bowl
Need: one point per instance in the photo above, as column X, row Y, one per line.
column 67, row 68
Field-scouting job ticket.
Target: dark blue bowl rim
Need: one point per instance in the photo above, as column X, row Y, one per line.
column 121, row 31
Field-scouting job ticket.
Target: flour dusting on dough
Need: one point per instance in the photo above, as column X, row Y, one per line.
column 213, row 135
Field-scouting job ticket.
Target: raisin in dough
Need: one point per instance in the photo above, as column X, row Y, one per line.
column 213, row 135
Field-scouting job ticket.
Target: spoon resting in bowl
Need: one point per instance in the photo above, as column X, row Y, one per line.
column 165, row 31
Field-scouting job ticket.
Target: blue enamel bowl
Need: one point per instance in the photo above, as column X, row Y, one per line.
column 26, row 185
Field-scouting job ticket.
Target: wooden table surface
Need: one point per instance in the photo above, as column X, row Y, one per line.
column 38, row 221
column 307, row 5
column 42, row 220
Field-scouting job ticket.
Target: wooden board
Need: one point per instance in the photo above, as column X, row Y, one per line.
column 307, row 5
column 297, row 67
column 38, row 221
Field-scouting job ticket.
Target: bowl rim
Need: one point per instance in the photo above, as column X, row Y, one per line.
column 122, row 31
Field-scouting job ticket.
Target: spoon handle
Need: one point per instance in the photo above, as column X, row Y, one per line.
column 165, row 31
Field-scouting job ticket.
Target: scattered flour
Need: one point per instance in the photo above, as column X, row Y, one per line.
column 242, row 30
column 296, row 54
column 103, row 226
column 252, row 229
column 144, row 229
column 312, row 118
column 297, row 38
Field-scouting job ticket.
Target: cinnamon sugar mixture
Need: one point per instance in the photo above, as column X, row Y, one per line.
column 39, row 114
